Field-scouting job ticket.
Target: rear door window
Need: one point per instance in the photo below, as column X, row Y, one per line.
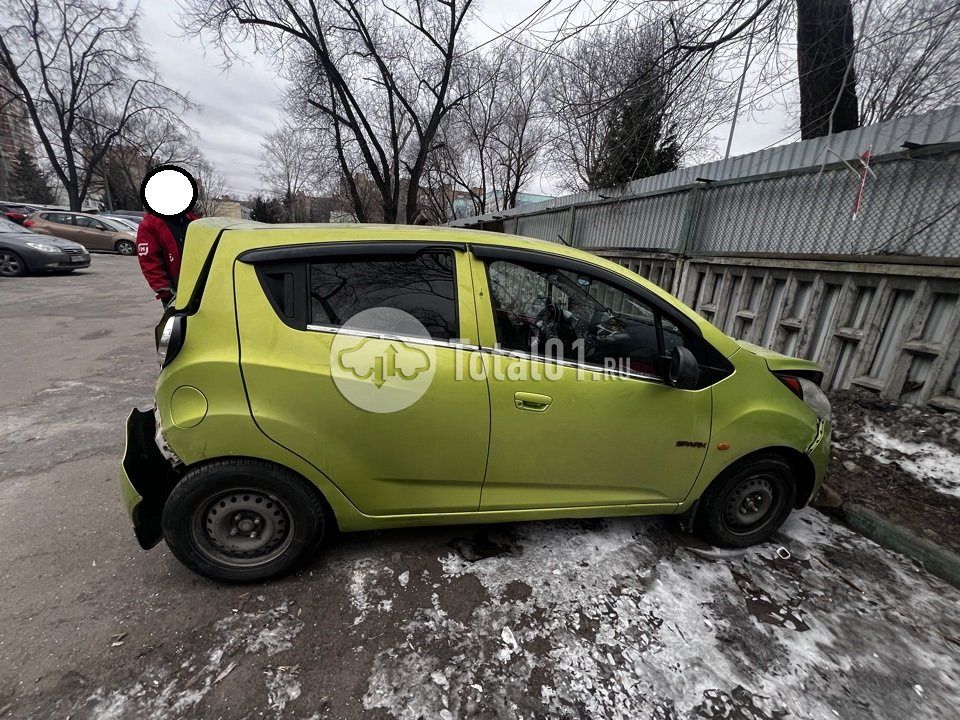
column 61, row 218
column 423, row 286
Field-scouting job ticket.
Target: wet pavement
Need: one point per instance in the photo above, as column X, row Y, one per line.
column 625, row 618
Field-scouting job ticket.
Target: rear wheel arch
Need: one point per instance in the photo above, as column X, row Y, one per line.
column 311, row 486
column 239, row 519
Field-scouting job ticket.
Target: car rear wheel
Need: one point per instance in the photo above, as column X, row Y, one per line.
column 10, row 264
column 747, row 503
column 125, row 247
column 243, row 520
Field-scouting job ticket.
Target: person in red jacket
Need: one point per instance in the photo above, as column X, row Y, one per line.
column 159, row 247
column 168, row 193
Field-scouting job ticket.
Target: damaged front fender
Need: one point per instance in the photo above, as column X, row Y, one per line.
column 146, row 478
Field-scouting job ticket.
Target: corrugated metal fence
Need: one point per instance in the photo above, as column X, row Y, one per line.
column 779, row 259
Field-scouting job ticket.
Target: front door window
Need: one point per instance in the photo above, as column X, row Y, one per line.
column 571, row 316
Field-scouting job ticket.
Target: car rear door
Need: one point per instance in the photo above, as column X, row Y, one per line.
column 332, row 375
column 92, row 233
column 60, row 225
column 579, row 414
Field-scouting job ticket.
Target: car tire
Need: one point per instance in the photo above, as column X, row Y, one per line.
column 747, row 503
column 11, row 264
column 210, row 512
column 125, row 247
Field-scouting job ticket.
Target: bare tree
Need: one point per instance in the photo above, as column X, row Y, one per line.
column 294, row 165
column 79, row 67
column 148, row 140
column 384, row 73
column 489, row 145
column 908, row 64
column 825, row 57
column 211, row 186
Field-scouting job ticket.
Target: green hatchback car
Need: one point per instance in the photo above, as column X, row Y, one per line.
column 319, row 378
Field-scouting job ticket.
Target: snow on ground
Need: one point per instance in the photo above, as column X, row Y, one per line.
column 620, row 619
column 928, row 462
column 172, row 693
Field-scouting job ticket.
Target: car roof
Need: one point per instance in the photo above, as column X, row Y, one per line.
column 302, row 233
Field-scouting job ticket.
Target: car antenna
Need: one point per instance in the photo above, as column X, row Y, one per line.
column 560, row 238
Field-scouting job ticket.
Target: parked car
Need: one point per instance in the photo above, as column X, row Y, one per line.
column 88, row 230
column 135, row 215
column 557, row 384
column 22, row 251
column 125, row 223
column 16, row 212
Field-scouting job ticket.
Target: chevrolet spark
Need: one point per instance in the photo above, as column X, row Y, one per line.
column 317, row 378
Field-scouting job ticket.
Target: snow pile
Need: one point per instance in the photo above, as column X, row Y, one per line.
column 616, row 619
column 928, row 462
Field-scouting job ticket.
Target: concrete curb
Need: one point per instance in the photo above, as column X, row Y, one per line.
column 935, row 559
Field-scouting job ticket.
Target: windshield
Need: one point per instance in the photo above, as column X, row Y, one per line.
column 8, row 226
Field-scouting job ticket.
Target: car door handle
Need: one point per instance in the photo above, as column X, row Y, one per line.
column 531, row 401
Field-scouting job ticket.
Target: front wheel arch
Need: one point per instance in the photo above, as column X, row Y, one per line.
column 801, row 464
column 123, row 244
column 800, row 477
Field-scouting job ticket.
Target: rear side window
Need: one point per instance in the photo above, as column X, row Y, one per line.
column 423, row 286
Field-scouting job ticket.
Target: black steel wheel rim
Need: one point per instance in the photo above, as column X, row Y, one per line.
column 752, row 503
column 242, row 528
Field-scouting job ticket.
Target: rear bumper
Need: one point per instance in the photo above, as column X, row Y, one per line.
column 819, row 454
column 146, row 478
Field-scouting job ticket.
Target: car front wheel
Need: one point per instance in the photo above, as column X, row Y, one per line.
column 243, row 520
column 747, row 503
column 125, row 247
column 10, row 264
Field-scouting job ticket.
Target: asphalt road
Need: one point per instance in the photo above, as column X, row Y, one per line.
column 607, row 619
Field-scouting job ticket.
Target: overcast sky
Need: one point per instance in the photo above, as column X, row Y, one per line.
column 238, row 106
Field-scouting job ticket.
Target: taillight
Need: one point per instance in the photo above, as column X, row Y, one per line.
column 28, row 223
column 808, row 391
column 171, row 339
column 793, row 383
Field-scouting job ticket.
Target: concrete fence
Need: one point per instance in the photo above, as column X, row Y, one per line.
column 890, row 327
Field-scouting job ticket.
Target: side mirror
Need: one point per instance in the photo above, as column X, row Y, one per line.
column 683, row 371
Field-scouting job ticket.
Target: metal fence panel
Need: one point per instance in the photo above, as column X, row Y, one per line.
column 546, row 226
column 911, row 208
column 652, row 222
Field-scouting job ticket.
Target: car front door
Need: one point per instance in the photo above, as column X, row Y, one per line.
column 579, row 414
column 353, row 358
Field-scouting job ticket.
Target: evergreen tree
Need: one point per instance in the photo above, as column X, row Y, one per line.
column 266, row 210
column 638, row 140
column 28, row 183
